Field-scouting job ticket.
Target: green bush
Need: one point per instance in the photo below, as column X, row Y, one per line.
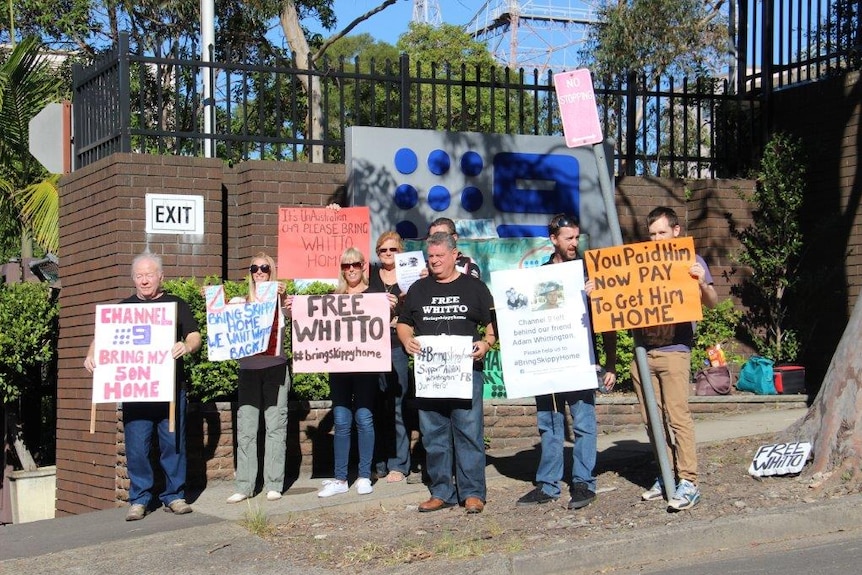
column 308, row 386
column 28, row 332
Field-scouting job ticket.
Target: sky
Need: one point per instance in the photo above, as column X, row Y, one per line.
column 393, row 21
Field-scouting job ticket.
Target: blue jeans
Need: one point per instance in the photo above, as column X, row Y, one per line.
column 140, row 421
column 261, row 390
column 458, row 423
column 353, row 396
column 551, row 418
column 395, row 438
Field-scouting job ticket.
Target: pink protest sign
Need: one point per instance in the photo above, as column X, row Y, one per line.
column 311, row 240
column 133, row 352
column 340, row 333
column 577, row 102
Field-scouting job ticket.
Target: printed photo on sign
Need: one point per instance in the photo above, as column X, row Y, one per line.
column 341, row 333
column 241, row 329
column 443, row 369
column 133, row 352
column 780, row 459
column 643, row 285
column 408, row 267
column 311, row 240
column 544, row 331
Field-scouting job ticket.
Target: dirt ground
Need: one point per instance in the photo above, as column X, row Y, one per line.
column 396, row 534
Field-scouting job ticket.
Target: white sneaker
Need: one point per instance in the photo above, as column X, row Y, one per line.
column 363, row 486
column 273, row 495
column 332, row 487
column 687, row 496
column 654, row 492
column 237, row 497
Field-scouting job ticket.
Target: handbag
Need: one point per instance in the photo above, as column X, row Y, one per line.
column 712, row 381
column 756, row 376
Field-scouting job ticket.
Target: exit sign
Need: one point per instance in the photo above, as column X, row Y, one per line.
column 170, row 214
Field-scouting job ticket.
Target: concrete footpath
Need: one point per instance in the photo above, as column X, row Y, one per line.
column 211, row 541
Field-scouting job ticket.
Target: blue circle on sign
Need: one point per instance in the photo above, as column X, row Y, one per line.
column 438, row 198
column 406, row 197
column 406, row 161
column 438, row 162
column 407, row 229
column 471, row 164
column 471, row 198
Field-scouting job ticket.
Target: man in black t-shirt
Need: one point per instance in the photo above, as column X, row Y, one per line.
column 142, row 419
column 448, row 302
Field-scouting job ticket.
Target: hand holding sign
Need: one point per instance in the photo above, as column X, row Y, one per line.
column 236, row 330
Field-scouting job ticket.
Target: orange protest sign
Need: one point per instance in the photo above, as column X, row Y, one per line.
column 311, row 240
column 643, row 285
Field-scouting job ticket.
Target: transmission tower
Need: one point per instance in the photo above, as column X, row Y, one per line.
column 531, row 34
column 427, row 12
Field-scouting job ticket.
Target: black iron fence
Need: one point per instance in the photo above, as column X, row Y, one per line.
column 278, row 110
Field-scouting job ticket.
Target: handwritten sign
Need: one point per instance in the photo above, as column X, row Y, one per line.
column 577, row 101
column 340, row 333
column 133, row 352
column 311, row 240
column 643, row 285
column 236, row 330
column 444, row 367
column 780, row 459
column 545, row 338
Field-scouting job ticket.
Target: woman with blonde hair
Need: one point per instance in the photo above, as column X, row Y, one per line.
column 264, row 381
column 353, row 396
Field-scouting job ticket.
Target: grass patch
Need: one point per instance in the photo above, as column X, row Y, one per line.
column 257, row 522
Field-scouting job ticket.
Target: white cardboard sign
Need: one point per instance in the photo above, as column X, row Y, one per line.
column 780, row 459
column 444, row 367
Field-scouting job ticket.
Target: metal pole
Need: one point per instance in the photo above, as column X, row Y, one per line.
column 207, row 45
column 653, row 416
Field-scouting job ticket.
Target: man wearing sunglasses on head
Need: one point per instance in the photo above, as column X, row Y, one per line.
column 564, row 231
column 463, row 264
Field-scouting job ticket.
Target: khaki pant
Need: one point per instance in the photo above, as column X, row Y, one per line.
column 670, row 372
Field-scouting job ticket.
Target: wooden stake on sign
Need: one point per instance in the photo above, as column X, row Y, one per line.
column 92, row 418
column 172, row 417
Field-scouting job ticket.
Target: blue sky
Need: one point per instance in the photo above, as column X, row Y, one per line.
column 393, row 21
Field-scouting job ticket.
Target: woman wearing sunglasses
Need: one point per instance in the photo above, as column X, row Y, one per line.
column 263, row 385
column 353, row 396
column 393, row 440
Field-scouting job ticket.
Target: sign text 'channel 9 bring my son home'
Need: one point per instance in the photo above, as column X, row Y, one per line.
column 133, row 352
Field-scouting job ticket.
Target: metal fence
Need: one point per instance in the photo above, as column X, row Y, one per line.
column 262, row 110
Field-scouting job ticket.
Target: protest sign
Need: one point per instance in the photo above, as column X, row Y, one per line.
column 780, row 459
column 643, row 285
column 341, row 333
column 133, row 352
column 408, row 269
column 311, row 240
column 241, row 329
column 443, row 368
column 545, row 338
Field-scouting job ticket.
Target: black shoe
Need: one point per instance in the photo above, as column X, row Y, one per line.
column 535, row 497
column 581, row 496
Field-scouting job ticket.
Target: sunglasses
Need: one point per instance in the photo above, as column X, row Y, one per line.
column 264, row 268
column 390, row 250
column 562, row 222
column 354, row 265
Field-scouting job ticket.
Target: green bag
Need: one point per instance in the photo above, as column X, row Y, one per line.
column 756, row 376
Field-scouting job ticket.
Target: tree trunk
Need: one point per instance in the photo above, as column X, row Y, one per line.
column 295, row 38
column 833, row 423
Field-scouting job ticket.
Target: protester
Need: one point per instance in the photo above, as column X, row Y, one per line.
column 353, row 396
column 463, row 264
column 550, row 409
column 448, row 302
column 264, row 382
column 392, row 434
column 668, row 351
column 142, row 419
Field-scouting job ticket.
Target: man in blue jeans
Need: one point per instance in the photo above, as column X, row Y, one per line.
column 448, row 302
column 564, row 231
column 141, row 420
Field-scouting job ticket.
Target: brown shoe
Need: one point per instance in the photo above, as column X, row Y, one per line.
column 433, row 504
column 178, row 507
column 136, row 512
column 474, row 505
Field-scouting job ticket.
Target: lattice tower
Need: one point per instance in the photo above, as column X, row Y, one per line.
column 531, row 34
column 427, row 12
